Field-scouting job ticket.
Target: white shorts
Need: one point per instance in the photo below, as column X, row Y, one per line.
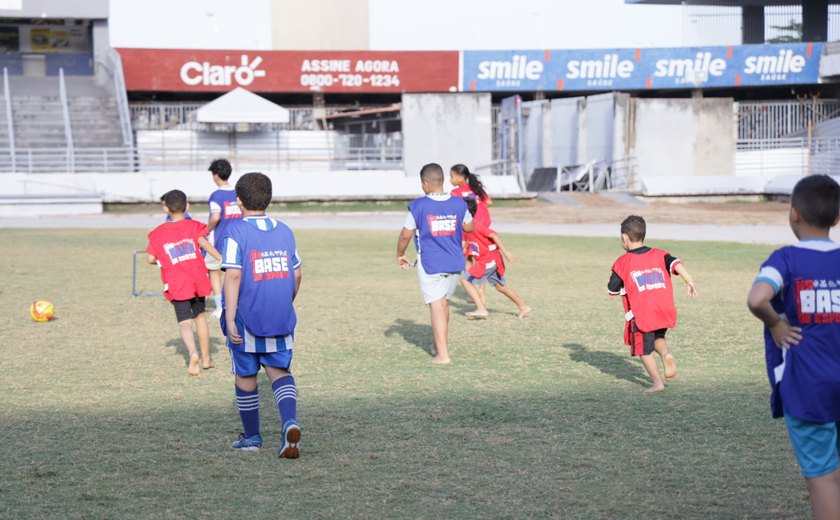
column 437, row 286
column 212, row 264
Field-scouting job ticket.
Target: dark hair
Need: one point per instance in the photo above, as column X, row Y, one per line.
column 175, row 200
column 472, row 205
column 432, row 173
column 254, row 190
column 472, row 180
column 817, row 199
column 220, row 167
column 634, row 227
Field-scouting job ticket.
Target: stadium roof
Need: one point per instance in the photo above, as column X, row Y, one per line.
column 241, row 106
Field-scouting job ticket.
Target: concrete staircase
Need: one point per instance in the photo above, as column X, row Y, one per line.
column 40, row 133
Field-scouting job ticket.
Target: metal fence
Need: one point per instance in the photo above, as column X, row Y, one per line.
column 123, row 160
column 774, row 157
column 777, row 119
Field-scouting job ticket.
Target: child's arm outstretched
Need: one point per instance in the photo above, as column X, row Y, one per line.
column 498, row 241
column 689, row 281
column 207, row 246
column 759, row 304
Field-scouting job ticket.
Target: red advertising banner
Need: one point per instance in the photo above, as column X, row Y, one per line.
column 181, row 70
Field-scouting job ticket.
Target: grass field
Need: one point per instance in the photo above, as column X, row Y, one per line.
column 537, row 418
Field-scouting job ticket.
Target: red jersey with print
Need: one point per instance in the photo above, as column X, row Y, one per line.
column 645, row 276
column 482, row 214
column 182, row 268
column 483, row 250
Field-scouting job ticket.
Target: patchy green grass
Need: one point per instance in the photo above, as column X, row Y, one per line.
column 537, row 418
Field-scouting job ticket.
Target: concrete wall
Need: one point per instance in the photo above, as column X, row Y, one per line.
column 56, row 9
column 293, row 185
column 683, row 137
column 446, row 129
column 320, row 25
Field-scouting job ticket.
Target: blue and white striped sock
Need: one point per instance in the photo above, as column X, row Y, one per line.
column 248, row 404
column 285, row 395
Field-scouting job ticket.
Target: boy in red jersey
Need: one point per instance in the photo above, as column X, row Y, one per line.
column 486, row 250
column 642, row 276
column 174, row 245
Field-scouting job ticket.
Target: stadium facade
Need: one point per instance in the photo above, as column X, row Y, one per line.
column 727, row 117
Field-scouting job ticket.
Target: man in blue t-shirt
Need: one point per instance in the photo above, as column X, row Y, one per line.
column 262, row 278
column 797, row 296
column 437, row 222
column 223, row 210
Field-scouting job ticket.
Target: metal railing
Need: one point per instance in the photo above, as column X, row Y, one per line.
column 777, row 119
column 798, row 156
column 180, row 115
column 65, row 112
column 116, row 73
column 146, row 159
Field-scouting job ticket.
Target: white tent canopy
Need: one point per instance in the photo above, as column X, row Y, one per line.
column 241, row 106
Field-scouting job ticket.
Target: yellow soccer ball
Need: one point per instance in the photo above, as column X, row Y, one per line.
column 42, row 310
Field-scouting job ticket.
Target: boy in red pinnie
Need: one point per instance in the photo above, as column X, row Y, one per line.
column 485, row 248
column 642, row 277
column 174, row 245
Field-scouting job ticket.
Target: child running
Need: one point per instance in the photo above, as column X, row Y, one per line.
column 797, row 296
column 642, row 276
column 262, row 279
column 437, row 222
column 223, row 210
column 174, row 245
column 486, row 249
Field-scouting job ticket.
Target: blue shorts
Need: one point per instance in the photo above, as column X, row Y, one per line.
column 816, row 446
column 246, row 364
column 491, row 276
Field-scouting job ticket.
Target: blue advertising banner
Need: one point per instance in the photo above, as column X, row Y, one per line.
column 638, row 69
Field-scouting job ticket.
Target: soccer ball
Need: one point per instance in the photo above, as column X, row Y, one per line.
column 42, row 310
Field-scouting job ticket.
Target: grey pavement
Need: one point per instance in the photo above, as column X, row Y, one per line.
column 392, row 221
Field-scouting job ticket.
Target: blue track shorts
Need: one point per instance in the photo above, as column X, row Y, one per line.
column 815, row 445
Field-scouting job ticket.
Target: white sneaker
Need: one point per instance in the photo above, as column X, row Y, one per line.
column 217, row 313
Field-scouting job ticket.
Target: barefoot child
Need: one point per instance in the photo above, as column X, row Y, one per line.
column 642, row 276
column 486, row 249
column 437, row 222
column 797, row 296
column 174, row 245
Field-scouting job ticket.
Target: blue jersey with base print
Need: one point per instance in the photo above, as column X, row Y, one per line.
column 806, row 377
column 223, row 201
column 439, row 232
column 265, row 251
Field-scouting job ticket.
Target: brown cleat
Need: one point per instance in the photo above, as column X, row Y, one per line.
column 670, row 368
column 193, row 370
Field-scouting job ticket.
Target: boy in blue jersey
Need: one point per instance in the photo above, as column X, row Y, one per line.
column 437, row 222
column 262, row 278
column 797, row 296
column 223, row 210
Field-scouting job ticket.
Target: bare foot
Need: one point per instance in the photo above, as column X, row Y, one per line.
column 477, row 314
column 524, row 311
column 438, row 360
column 208, row 364
column 670, row 367
column 193, row 369
column 655, row 387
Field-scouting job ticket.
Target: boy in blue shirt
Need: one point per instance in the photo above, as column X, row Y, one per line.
column 262, row 278
column 797, row 296
column 223, row 210
column 437, row 222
